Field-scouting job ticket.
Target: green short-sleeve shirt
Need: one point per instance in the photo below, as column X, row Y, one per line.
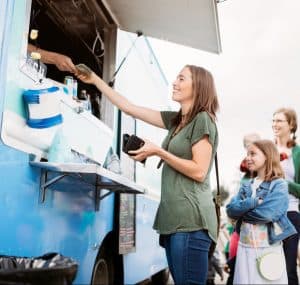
column 186, row 205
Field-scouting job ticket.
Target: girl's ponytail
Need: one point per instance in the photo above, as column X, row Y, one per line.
column 292, row 142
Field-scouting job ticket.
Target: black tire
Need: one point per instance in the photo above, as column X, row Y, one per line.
column 161, row 277
column 104, row 271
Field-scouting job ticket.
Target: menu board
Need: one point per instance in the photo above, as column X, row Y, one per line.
column 127, row 209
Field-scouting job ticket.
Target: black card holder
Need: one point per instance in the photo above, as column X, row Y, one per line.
column 132, row 142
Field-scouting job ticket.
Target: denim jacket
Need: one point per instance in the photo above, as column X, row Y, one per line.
column 273, row 209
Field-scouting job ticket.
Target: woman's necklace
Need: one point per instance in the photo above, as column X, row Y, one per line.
column 179, row 127
column 176, row 131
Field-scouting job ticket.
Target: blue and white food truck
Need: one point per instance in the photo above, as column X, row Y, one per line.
column 65, row 185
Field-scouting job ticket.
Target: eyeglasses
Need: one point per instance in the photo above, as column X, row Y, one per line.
column 278, row 121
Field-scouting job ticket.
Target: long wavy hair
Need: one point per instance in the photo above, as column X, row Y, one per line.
column 291, row 118
column 273, row 168
column 204, row 95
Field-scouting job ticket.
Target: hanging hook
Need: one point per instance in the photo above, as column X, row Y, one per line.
column 98, row 39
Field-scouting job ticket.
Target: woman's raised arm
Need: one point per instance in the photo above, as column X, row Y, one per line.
column 147, row 115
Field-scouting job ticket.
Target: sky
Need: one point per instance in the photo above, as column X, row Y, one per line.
column 257, row 72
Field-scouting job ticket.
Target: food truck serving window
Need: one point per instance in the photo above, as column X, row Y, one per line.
column 70, row 30
column 38, row 105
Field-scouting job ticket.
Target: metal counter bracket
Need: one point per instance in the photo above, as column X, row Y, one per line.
column 105, row 179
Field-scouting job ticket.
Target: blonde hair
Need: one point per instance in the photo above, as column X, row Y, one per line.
column 273, row 168
column 249, row 138
column 291, row 118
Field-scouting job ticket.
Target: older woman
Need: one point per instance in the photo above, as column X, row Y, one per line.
column 284, row 128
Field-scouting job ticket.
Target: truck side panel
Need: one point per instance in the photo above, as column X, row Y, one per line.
column 67, row 222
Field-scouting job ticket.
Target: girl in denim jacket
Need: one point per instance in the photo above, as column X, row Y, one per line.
column 260, row 210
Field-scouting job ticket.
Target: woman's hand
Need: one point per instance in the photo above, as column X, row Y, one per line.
column 226, row 268
column 89, row 79
column 148, row 149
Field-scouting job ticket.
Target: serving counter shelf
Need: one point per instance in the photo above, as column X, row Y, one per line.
column 90, row 174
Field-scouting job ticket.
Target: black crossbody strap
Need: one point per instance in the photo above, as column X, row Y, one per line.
column 217, row 202
column 218, row 196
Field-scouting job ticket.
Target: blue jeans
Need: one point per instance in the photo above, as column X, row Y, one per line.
column 290, row 247
column 187, row 255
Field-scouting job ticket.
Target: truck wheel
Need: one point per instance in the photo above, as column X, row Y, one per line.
column 161, row 277
column 103, row 273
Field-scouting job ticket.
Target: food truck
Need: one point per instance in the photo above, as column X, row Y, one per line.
column 66, row 186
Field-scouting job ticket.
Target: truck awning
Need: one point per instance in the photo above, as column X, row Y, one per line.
column 193, row 23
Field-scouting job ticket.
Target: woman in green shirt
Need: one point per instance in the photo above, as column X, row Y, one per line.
column 186, row 217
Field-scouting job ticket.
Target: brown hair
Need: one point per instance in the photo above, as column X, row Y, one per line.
column 204, row 95
column 273, row 168
column 291, row 118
